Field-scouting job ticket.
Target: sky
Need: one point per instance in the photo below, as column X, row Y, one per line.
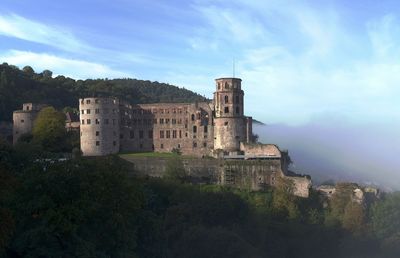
column 304, row 64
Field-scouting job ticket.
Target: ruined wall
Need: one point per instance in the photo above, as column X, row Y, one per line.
column 99, row 129
column 163, row 127
column 253, row 175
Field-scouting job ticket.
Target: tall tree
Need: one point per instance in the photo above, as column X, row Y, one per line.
column 49, row 129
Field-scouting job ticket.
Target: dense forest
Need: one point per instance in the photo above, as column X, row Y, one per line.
column 21, row 86
column 96, row 207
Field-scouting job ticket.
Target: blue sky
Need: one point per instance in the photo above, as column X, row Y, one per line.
column 300, row 61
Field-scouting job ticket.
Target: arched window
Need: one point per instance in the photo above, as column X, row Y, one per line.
column 226, row 99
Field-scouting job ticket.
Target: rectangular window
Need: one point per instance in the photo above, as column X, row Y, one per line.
column 173, row 121
column 162, row 146
column 194, row 129
column 174, row 134
column 140, row 134
column 132, row 134
column 87, row 111
column 180, row 134
column 161, row 120
column 151, row 134
column 88, row 101
column 205, row 129
column 96, row 101
column 204, row 144
column 161, row 134
column 113, row 121
column 226, row 110
column 88, row 121
column 97, row 121
column 83, row 112
column 83, row 121
column 97, row 133
column 97, row 111
column 167, row 120
column 97, row 143
column 168, row 134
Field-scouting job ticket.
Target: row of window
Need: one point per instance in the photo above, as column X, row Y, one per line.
column 97, row 101
column 226, row 110
column 97, row 111
column 97, row 121
column 237, row 99
column 227, row 85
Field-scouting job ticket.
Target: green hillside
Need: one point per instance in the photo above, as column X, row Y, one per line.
column 20, row 86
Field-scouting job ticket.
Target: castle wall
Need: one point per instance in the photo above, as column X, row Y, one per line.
column 99, row 129
column 163, row 127
column 22, row 123
column 229, row 132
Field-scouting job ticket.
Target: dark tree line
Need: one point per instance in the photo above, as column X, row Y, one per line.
column 94, row 207
column 21, row 86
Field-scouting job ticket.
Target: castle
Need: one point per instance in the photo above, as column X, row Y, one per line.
column 218, row 127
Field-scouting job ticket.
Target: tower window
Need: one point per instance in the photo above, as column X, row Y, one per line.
column 226, row 110
column 237, row 100
column 226, row 99
column 237, row 110
column 219, row 86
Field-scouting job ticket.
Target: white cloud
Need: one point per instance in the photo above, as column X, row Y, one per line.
column 77, row 69
column 299, row 62
column 57, row 37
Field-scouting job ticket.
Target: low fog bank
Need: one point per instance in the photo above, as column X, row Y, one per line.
column 359, row 153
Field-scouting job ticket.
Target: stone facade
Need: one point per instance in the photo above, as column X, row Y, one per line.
column 252, row 175
column 200, row 128
column 100, row 126
column 23, row 119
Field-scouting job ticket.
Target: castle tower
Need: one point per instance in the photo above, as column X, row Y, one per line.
column 23, row 119
column 99, row 129
column 230, row 123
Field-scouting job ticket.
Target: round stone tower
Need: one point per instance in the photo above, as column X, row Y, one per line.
column 230, row 122
column 99, row 129
column 23, row 120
